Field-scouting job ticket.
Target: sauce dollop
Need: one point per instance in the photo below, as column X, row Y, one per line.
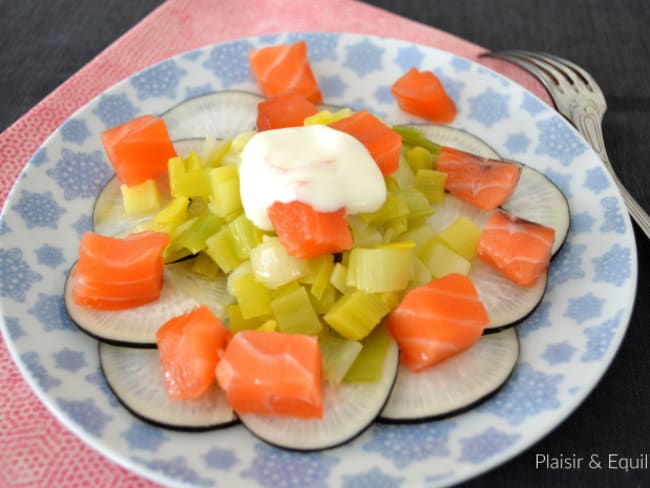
column 317, row 165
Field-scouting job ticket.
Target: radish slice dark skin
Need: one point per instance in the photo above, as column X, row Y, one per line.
column 136, row 379
column 348, row 410
column 182, row 291
column 455, row 385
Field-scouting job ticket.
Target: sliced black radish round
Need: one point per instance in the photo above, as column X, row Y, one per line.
column 456, row 384
column 457, row 138
column 182, row 291
column 223, row 114
column 136, row 378
column 348, row 409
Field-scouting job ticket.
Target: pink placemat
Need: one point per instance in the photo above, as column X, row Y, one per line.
column 37, row 451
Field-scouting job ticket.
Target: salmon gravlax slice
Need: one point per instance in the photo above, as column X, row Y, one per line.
column 436, row 321
column 288, row 109
column 518, row 249
column 382, row 142
column 190, row 346
column 273, row 373
column 485, row 183
column 421, row 93
column 284, row 68
column 117, row 273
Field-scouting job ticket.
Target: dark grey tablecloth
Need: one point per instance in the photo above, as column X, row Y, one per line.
column 43, row 43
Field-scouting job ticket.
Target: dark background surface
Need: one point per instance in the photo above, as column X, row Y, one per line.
column 44, row 43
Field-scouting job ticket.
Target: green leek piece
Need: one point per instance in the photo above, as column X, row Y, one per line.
column 205, row 266
column 337, row 355
column 325, row 117
column 238, row 143
column 442, row 261
column 274, row 266
column 246, row 235
column 394, row 207
column 420, row 273
column 432, row 184
column 321, row 275
column 415, row 137
column 380, row 269
column 419, row 235
column 326, row 301
column 338, row 277
column 403, row 178
column 419, row 158
column 187, row 177
column 224, row 190
column 461, row 236
column 240, row 270
column 294, row 313
column 253, row 297
column 213, row 151
column 364, row 234
column 193, row 236
column 368, row 365
column 222, row 248
column 192, row 162
column 395, row 227
column 356, row 314
column 237, row 322
column 141, row 199
column 418, row 204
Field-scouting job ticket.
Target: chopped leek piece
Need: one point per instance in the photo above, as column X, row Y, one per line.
column 325, row 117
column 273, row 266
column 294, row 313
column 205, row 266
column 237, row 322
column 338, row 278
column 224, row 190
column 338, row 355
column 380, row 269
column 140, row 199
column 432, row 184
column 369, row 363
column 415, row 137
column 461, row 236
column 246, row 235
column 222, row 248
column 364, row 234
column 356, row 314
column 419, row 158
column 193, row 237
column 442, row 261
column 253, row 298
column 321, row 275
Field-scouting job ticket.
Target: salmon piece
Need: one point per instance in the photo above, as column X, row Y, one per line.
column 285, row 110
column 436, row 321
column 117, row 273
column 283, row 68
column 307, row 233
column 138, row 149
column 518, row 249
column 382, row 142
column 485, row 183
column 273, row 373
column 421, row 93
column 190, row 346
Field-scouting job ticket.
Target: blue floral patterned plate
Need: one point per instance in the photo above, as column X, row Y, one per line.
column 567, row 344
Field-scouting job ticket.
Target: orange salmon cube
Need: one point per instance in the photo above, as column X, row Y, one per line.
column 421, row 93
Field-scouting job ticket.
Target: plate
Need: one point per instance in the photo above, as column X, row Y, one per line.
column 567, row 344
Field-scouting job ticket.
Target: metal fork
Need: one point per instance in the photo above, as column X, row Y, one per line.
column 578, row 97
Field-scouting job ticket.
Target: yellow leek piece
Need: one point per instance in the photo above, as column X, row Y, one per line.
column 461, row 236
column 294, row 313
column 442, row 261
column 141, row 199
column 253, row 297
column 382, row 269
column 368, row 365
column 237, row 322
column 356, row 314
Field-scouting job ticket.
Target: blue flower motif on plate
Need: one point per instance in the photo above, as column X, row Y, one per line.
column 600, row 337
column 538, row 320
column 49, row 255
column 97, row 378
column 409, row 57
column 453, row 87
column 332, row 86
column 39, row 372
column 373, row 478
column 364, row 57
column 197, row 91
column 410, row 443
column 114, row 110
column 51, row 313
column 277, row 468
column 81, row 174
column 39, row 209
column 69, row 360
column 584, row 307
column 460, row 64
column 229, row 62
column 14, row 328
column 567, row 264
column 562, row 181
column 384, row 95
column 614, row 266
column 532, row 105
column 483, row 446
column 176, row 469
column 39, row 158
column 527, row 393
column 556, row 141
column 489, row 107
column 614, row 218
column 559, row 352
column 141, row 436
column 320, row 46
column 16, row 277
column 582, row 222
column 86, row 414
column 517, row 143
column 74, row 130
column 596, row 180
column 160, row 80
column 83, row 224
column 222, row 459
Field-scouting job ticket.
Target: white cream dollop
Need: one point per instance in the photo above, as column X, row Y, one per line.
column 317, row 165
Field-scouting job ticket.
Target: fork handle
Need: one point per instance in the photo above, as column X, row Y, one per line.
column 588, row 122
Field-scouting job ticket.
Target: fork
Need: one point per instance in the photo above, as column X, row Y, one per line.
column 578, row 97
